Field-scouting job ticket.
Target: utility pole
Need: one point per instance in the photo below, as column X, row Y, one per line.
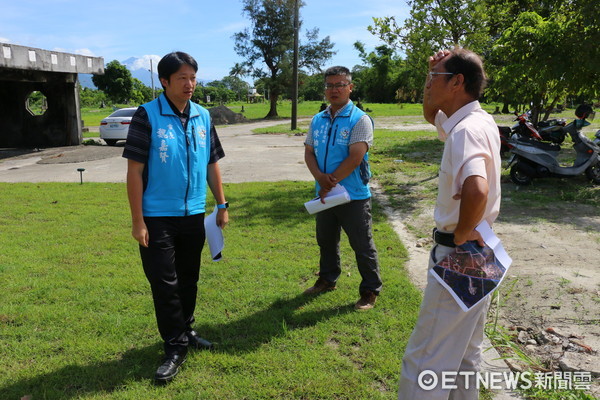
column 295, row 67
column 152, row 78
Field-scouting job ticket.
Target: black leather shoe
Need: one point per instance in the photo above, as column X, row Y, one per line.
column 169, row 368
column 196, row 342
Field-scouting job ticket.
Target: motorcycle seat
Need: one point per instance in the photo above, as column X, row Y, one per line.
column 540, row 145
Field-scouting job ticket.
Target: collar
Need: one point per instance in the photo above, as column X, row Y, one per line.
column 458, row 116
column 168, row 108
column 342, row 112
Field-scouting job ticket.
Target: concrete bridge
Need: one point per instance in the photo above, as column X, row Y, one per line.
column 25, row 72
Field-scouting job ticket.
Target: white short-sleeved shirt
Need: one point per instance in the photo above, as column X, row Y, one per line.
column 472, row 148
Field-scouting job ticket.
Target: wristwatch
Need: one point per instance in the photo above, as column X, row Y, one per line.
column 224, row 205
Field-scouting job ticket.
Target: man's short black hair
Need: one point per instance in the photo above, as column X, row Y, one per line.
column 171, row 63
column 469, row 65
column 338, row 70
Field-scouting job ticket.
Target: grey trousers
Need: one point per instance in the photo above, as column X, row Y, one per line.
column 445, row 338
column 355, row 218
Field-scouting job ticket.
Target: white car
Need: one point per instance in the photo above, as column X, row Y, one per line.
column 116, row 125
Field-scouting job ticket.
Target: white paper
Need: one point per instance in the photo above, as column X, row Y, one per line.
column 338, row 195
column 214, row 235
column 490, row 238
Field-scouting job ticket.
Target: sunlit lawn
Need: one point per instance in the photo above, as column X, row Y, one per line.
column 76, row 318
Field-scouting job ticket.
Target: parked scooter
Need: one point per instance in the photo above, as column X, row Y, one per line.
column 534, row 159
column 597, row 139
column 523, row 128
column 551, row 130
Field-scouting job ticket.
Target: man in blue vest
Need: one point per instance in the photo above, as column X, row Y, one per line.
column 336, row 152
column 172, row 150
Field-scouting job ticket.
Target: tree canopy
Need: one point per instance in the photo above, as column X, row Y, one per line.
column 116, row 83
column 268, row 46
column 536, row 53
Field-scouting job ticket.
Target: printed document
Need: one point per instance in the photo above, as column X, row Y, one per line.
column 470, row 272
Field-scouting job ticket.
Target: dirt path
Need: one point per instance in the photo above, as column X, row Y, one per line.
column 248, row 157
column 554, row 282
column 550, row 300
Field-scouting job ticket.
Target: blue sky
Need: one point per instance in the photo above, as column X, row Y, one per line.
column 118, row 30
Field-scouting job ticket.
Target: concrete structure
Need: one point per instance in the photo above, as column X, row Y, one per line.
column 25, row 71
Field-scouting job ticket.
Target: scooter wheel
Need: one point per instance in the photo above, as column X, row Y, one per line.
column 593, row 173
column 518, row 177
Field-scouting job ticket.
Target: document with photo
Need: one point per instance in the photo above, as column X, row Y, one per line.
column 470, row 272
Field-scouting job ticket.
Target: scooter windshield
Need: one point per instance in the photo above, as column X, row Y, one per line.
column 580, row 123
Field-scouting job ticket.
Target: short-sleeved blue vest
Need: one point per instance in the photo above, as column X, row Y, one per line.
column 331, row 147
column 177, row 161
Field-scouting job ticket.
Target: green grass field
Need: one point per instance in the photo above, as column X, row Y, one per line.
column 257, row 111
column 76, row 319
column 77, row 322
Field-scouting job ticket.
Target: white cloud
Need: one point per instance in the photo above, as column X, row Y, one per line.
column 144, row 62
column 234, row 27
column 4, row 40
column 85, row 52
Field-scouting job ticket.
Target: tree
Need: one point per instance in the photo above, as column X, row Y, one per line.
column 310, row 87
column 116, row 82
column 215, row 90
column 548, row 46
column 379, row 81
column 581, row 36
column 269, row 43
column 91, row 97
column 433, row 25
column 238, row 86
column 238, row 70
column 536, row 53
column 141, row 93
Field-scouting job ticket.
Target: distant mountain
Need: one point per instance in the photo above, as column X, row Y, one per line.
column 139, row 68
column 86, row 81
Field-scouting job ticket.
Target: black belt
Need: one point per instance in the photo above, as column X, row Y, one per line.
column 443, row 238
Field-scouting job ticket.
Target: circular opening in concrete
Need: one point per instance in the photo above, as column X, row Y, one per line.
column 36, row 103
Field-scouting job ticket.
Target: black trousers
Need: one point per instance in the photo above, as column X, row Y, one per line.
column 172, row 265
column 355, row 218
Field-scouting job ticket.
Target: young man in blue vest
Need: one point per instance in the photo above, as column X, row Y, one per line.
column 336, row 149
column 172, row 150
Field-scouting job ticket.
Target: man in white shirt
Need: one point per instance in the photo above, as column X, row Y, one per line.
column 446, row 341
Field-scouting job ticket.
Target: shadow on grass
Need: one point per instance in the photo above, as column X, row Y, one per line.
column 421, row 150
column 74, row 381
column 139, row 365
column 276, row 202
column 282, row 316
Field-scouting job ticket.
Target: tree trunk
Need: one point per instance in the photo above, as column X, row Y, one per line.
column 273, row 109
column 505, row 109
column 550, row 108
